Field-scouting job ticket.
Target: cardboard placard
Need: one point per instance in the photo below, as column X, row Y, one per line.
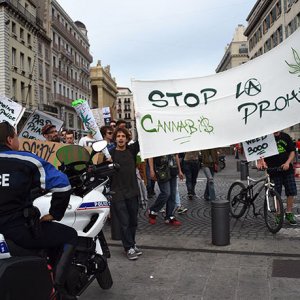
column 47, row 150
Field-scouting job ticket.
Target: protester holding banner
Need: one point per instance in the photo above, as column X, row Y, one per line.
column 165, row 169
column 124, row 204
column 210, row 161
column 282, row 172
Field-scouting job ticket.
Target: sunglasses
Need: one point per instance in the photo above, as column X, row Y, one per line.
column 109, row 132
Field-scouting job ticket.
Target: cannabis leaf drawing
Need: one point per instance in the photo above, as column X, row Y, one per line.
column 295, row 68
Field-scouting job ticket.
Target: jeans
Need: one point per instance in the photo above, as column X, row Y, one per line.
column 126, row 211
column 191, row 170
column 167, row 196
column 209, row 193
column 177, row 197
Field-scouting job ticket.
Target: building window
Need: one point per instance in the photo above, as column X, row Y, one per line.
column 40, row 70
column 40, row 49
column 29, row 94
column 13, row 57
column 22, row 61
column 14, row 88
column 13, row 28
column 71, row 120
column 21, row 33
column 47, row 74
column 47, row 56
column 54, row 87
column 48, row 95
column 29, row 39
column 23, row 91
column 41, row 94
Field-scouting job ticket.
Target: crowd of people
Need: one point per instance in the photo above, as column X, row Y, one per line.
column 128, row 184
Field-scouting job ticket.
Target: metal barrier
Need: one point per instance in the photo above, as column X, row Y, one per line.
column 220, row 225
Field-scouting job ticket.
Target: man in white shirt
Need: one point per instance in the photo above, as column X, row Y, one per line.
column 87, row 140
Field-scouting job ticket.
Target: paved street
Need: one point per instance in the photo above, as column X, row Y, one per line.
column 182, row 263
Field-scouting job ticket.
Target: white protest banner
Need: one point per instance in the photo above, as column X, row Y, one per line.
column 32, row 129
column 98, row 116
column 10, row 111
column 254, row 99
column 260, row 147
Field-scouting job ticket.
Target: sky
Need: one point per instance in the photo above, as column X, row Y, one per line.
column 158, row 39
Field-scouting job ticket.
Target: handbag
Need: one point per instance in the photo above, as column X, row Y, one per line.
column 163, row 173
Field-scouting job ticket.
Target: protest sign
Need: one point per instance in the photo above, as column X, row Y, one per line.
column 255, row 99
column 32, row 129
column 98, row 116
column 10, row 111
column 260, row 147
column 47, row 150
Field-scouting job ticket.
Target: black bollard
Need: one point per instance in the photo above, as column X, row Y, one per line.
column 244, row 170
column 220, row 228
column 114, row 227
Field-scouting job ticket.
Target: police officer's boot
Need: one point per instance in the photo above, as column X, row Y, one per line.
column 62, row 269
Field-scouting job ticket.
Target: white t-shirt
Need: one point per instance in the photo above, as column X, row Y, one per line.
column 86, row 141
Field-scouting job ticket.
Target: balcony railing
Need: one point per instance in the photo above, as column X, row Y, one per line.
column 22, row 11
column 68, row 36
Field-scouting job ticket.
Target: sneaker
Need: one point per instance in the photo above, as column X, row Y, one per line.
column 290, row 217
column 173, row 222
column 162, row 210
column 137, row 250
column 131, row 254
column 152, row 217
column 181, row 209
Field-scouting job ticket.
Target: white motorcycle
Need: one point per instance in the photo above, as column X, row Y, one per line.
column 87, row 212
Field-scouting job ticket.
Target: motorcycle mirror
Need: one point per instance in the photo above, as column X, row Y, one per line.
column 99, row 145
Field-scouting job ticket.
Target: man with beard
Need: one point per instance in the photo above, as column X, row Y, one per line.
column 124, row 204
column 50, row 133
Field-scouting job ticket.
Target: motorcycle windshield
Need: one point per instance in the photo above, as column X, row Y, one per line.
column 73, row 154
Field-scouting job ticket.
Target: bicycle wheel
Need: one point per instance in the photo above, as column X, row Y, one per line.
column 237, row 199
column 273, row 216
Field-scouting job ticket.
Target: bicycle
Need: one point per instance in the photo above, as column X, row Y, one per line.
column 242, row 197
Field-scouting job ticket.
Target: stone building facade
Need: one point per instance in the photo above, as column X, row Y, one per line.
column 269, row 23
column 236, row 53
column 125, row 109
column 44, row 58
column 104, row 88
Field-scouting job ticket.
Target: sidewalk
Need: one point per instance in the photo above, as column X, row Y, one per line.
column 182, row 263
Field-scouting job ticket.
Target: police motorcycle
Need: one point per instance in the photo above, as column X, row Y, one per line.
column 25, row 274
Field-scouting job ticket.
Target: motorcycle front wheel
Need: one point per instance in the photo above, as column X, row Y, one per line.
column 104, row 279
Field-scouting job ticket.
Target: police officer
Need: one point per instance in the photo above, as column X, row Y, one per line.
column 20, row 172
